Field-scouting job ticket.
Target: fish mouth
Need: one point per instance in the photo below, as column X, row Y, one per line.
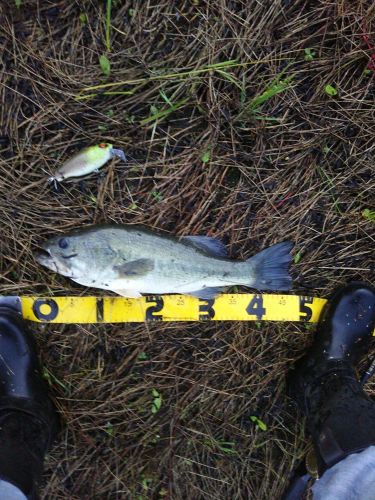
column 44, row 257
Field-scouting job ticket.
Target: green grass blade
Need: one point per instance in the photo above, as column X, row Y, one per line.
column 331, row 186
column 165, row 112
column 105, row 65
column 165, row 97
column 274, row 89
column 168, row 76
column 119, row 92
column 230, row 78
column 369, row 214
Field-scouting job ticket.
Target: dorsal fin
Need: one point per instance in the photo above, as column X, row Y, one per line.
column 208, row 245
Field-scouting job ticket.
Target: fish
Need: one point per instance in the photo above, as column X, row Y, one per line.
column 85, row 162
column 131, row 261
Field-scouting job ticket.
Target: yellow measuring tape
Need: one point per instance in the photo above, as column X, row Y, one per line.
column 225, row 307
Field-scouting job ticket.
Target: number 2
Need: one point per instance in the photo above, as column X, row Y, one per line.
column 150, row 311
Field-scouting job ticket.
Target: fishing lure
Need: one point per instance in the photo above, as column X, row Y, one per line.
column 89, row 160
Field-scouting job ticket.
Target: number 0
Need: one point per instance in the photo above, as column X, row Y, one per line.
column 45, row 316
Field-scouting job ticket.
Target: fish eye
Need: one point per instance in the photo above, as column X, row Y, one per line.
column 102, row 145
column 63, row 243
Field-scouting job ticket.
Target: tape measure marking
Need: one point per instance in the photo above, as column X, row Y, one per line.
column 151, row 308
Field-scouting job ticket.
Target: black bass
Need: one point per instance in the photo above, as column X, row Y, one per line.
column 132, row 261
column 87, row 161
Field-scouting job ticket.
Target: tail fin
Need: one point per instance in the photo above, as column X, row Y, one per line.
column 270, row 267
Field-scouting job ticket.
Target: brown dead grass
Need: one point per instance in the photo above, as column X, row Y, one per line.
column 306, row 175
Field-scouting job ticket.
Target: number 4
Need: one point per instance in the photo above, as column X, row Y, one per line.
column 255, row 307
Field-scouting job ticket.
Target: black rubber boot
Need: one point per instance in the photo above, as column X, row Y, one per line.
column 340, row 416
column 28, row 419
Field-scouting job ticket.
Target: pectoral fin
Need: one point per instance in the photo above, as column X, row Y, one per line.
column 134, row 268
column 130, row 294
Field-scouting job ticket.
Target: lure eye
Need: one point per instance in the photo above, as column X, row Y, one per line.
column 63, row 243
column 102, row 145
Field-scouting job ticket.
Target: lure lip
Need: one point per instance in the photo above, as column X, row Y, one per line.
column 119, row 153
column 55, row 181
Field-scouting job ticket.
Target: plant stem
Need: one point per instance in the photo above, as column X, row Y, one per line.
column 108, row 26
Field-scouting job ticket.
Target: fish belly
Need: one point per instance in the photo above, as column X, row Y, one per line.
column 173, row 280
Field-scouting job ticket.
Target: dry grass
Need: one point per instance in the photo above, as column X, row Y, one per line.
column 299, row 165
